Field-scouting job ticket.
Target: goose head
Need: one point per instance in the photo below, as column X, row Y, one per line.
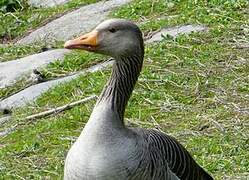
column 114, row 37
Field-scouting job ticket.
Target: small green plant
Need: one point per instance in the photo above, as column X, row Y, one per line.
column 12, row 5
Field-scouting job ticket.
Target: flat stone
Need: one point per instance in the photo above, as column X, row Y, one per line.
column 74, row 23
column 11, row 71
column 46, row 3
column 31, row 93
column 176, row 31
column 4, row 119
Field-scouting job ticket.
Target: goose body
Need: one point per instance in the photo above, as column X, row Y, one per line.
column 106, row 149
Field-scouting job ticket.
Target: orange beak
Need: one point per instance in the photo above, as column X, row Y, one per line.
column 87, row 42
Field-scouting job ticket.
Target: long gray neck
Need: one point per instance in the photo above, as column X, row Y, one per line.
column 124, row 75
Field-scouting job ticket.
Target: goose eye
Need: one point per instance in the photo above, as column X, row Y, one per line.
column 112, row 30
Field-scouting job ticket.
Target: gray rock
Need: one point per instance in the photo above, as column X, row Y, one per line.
column 11, row 71
column 73, row 23
column 46, row 3
column 7, row 131
column 4, row 119
column 31, row 93
column 176, row 31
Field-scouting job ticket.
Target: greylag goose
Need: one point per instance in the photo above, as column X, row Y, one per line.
column 108, row 150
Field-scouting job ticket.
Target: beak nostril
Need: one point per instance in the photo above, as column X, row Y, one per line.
column 83, row 38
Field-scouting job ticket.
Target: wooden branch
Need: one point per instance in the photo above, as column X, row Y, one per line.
column 60, row 109
column 46, row 113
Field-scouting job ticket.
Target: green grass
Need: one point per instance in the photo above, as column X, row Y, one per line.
column 18, row 23
column 13, row 52
column 194, row 87
column 81, row 60
column 12, row 89
column 31, row 18
column 15, row 25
